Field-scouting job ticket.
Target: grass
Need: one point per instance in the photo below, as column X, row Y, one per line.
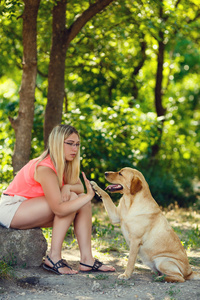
column 107, row 238
column 185, row 223
column 6, row 270
column 190, row 238
column 173, row 291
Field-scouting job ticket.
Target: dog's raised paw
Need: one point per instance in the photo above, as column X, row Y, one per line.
column 94, row 185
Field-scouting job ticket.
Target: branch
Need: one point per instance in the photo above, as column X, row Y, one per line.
column 177, row 3
column 14, row 123
column 87, row 15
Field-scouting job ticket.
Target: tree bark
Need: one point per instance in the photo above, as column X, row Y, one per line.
column 160, row 110
column 55, row 96
column 158, row 94
column 61, row 39
column 159, row 77
column 24, row 122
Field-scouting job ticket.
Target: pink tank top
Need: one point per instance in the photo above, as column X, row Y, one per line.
column 24, row 183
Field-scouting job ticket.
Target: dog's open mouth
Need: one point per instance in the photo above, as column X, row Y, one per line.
column 114, row 187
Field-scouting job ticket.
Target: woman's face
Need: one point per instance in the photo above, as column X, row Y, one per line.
column 71, row 146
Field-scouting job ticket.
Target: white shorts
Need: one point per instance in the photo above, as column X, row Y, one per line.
column 8, row 208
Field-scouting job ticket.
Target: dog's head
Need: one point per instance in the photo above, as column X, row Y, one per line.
column 126, row 181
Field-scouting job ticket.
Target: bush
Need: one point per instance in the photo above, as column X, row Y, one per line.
column 166, row 188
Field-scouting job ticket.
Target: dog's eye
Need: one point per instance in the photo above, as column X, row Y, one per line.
column 120, row 174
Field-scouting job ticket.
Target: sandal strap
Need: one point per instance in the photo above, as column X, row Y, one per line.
column 49, row 259
column 60, row 264
column 97, row 264
column 66, row 264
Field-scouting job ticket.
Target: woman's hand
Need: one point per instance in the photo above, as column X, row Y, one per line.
column 65, row 192
column 89, row 188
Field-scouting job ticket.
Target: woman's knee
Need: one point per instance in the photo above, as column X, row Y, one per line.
column 73, row 196
column 86, row 208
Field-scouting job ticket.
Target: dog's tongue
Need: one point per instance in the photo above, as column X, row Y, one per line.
column 114, row 187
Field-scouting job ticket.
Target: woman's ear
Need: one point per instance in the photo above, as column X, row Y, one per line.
column 136, row 186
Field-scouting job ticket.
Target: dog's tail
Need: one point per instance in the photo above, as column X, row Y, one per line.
column 193, row 276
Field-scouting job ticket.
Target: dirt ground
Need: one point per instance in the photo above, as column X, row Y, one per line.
column 36, row 283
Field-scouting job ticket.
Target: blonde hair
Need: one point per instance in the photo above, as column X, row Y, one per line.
column 66, row 170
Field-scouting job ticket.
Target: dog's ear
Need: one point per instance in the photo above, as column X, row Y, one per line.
column 136, row 186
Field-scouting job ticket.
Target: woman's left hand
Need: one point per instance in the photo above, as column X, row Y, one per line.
column 90, row 191
column 65, row 192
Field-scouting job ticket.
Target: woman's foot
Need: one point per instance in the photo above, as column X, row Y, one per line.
column 95, row 266
column 58, row 266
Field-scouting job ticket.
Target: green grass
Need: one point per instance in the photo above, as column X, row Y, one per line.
column 107, row 238
column 6, row 271
column 190, row 237
column 173, row 291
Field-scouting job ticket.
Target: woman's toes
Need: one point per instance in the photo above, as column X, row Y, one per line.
column 68, row 271
column 107, row 268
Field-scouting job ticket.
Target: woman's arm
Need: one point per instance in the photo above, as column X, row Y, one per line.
column 68, row 188
column 49, row 182
column 77, row 188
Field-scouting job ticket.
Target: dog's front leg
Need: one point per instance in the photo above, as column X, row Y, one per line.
column 108, row 203
column 134, row 248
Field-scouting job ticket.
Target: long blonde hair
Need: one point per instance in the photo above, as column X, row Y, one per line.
column 66, row 170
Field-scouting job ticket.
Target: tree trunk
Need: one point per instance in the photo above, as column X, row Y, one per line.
column 61, row 39
column 160, row 110
column 159, row 77
column 24, row 122
column 158, row 95
column 55, row 96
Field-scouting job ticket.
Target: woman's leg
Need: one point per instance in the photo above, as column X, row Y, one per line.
column 32, row 213
column 83, row 232
column 37, row 213
column 60, row 227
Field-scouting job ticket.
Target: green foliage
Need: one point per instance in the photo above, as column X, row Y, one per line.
column 166, row 186
column 190, row 238
column 113, row 138
column 110, row 80
column 6, row 271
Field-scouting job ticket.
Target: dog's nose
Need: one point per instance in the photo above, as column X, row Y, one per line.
column 106, row 173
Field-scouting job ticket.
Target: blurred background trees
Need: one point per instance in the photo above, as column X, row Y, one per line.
column 130, row 86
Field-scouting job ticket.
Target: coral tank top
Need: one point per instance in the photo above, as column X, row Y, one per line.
column 24, row 183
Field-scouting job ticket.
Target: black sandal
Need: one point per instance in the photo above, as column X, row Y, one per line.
column 60, row 264
column 95, row 268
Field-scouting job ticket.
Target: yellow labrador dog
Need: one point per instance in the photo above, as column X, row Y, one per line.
column 144, row 227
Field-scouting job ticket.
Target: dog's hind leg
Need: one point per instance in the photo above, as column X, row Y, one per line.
column 169, row 270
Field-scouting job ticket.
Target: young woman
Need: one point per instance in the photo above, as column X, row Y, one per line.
column 47, row 192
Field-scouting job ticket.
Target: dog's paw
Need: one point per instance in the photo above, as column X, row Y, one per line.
column 95, row 188
column 123, row 277
column 93, row 184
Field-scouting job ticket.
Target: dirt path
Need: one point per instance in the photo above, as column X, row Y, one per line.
column 36, row 283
